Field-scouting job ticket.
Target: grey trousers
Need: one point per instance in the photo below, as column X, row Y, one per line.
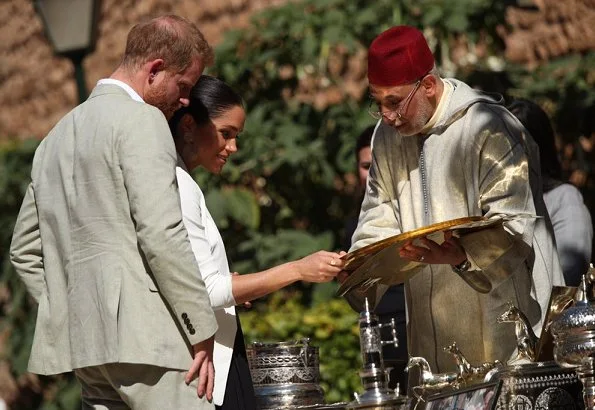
column 125, row 386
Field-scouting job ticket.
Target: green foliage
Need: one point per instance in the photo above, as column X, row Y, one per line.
column 15, row 166
column 18, row 310
column 566, row 86
column 237, row 203
column 331, row 326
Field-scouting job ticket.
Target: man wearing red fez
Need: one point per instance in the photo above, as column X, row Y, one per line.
column 441, row 151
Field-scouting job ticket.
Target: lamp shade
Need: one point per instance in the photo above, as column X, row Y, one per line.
column 70, row 25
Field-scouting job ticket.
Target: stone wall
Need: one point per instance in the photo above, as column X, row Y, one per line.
column 38, row 88
column 549, row 29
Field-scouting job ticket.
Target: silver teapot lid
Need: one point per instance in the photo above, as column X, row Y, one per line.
column 303, row 342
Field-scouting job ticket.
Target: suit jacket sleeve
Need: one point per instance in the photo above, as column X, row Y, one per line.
column 148, row 159
column 25, row 249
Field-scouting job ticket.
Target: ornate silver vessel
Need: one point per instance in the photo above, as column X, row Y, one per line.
column 574, row 338
column 285, row 374
column 376, row 395
column 539, row 386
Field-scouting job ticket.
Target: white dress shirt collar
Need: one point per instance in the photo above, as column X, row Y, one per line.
column 181, row 163
column 133, row 94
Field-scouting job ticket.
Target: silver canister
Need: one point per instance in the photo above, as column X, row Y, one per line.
column 285, row 375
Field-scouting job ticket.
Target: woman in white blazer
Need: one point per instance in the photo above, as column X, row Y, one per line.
column 205, row 135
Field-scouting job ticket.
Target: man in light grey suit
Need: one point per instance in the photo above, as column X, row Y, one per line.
column 100, row 243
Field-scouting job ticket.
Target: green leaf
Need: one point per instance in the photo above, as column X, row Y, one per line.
column 366, row 16
column 457, row 22
column 242, row 206
column 309, row 47
column 333, row 34
column 217, row 204
column 432, row 15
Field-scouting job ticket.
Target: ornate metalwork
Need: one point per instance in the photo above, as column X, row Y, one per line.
column 574, row 337
column 285, row 374
column 554, row 398
column 539, row 385
column 283, row 361
column 526, row 339
column 376, row 395
column 466, row 372
column 431, row 382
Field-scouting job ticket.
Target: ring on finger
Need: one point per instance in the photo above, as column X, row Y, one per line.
column 421, row 258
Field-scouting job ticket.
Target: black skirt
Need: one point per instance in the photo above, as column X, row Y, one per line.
column 239, row 391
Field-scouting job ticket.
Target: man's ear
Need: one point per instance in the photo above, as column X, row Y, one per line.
column 153, row 68
column 430, row 85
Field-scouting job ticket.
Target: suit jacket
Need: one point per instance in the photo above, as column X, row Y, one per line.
column 100, row 243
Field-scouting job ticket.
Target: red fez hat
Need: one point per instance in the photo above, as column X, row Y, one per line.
column 398, row 56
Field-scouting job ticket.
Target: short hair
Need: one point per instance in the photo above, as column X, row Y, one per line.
column 435, row 72
column 537, row 122
column 364, row 140
column 172, row 38
column 209, row 98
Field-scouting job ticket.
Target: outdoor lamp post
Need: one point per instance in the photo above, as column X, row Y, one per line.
column 71, row 27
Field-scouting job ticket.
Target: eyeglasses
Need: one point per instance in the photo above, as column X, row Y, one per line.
column 402, row 108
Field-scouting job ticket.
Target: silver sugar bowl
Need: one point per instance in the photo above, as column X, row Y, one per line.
column 285, row 374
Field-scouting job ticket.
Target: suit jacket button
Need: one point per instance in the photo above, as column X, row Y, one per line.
column 191, row 331
column 186, row 321
column 184, row 316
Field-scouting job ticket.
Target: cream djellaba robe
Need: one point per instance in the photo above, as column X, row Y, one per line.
column 473, row 162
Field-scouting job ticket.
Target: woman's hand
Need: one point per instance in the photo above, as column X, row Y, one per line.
column 321, row 266
column 450, row 252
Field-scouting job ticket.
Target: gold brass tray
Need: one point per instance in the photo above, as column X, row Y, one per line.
column 355, row 259
column 379, row 263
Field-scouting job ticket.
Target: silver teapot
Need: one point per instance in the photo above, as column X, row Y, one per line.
column 374, row 376
column 574, row 337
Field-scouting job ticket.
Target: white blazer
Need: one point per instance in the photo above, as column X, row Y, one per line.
column 209, row 251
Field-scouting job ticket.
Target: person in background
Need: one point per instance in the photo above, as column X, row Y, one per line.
column 100, row 243
column 573, row 228
column 205, row 134
column 363, row 158
column 392, row 304
column 443, row 151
